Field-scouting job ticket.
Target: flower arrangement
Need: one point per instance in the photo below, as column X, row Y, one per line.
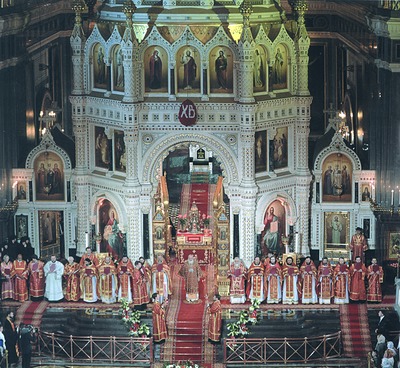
column 182, row 221
column 132, row 320
column 206, row 220
column 246, row 317
column 186, row 364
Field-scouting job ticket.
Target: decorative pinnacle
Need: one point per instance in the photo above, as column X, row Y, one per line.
column 129, row 10
column 300, row 7
column 78, row 7
column 246, row 9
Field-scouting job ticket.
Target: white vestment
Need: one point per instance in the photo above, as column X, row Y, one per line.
column 53, row 273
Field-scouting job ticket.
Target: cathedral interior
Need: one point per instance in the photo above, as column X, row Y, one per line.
column 217, row 128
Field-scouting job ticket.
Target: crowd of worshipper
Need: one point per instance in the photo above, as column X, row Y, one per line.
column 92, row 279
column 385, row 354
column 272, row 281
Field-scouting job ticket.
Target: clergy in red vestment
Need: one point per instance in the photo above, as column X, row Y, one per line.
column 375, row 280
column 215, row 319
column 72, row 277
column 89, row 282
column 161, row 279
column 146, row 270
column 273, row 281
column 108, row 282
column 125, row 272
column 255, row 280
column 139, row 287
column 308, row 273
column 341, row 282
column 21, row 276
column 36, row 278
column 325, row 285
column 89, row 254
column 358, row 271
column 237, row 275
column 192, row 274
column 290, row 274
column 159, row 325
column 358, row 245
column 7, row 272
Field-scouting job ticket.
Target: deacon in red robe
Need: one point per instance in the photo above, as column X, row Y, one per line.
column 161, row 277
column 146, row 270
column 273, row 281
column 192, row 274
column 308, row 273
column 89, row 254
column 325, row 285
column 7, row 272
column 159, row 325
column 108, row 282
column 215, row 319
column 72, row 277
column 21, row 276
column 290, row 273
column 341, row 282
column 89, row 282
column 125, row 271
column 255, row 280
column 357, row 280
column 237, row 275
column 375, row 280
column 139, row 287
column 358, row 245
column 36, row 278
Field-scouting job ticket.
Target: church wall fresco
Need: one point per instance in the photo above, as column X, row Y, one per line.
column 155, row 63
column 49, row 177
column 221, row 70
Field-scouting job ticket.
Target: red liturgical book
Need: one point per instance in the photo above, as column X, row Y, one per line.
column 257, row 271
column 308, row 268
column 272, row 271
column 88, row 272
column 106, row 270
column 159, row 267
column 52, row 267
column 325, row 271
column 290, row 271
column 237, row 273
column 124, row 268
column 375, row 268
column 34, row 266
column 7, row 271
column 343, row 268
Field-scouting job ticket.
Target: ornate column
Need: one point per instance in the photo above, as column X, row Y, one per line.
column 81, row 179
column 132, row 191
column 302, row 42
column 246, row 63
column 77, row 41
column 127, row 46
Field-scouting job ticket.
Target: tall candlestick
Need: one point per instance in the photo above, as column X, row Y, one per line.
column 296, row 242
column 86, row 239
column 399, row 197
column 392, row 201
column 373, row 192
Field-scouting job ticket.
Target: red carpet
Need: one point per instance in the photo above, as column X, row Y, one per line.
column 202, row 194
column 356, row 337
column 31, row 313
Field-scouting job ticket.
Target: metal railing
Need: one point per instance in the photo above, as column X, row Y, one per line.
column 288, row 350
column 110, row 349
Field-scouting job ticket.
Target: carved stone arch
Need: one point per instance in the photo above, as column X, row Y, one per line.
column 47, row 144
column 284, row 38
column 188, row 39
column 153, row 158
column 337, row 146
column 221, row 39
column 115, row 199
column 266, row 199
column 154, row 38
column 114, row 40
column 262, row 40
